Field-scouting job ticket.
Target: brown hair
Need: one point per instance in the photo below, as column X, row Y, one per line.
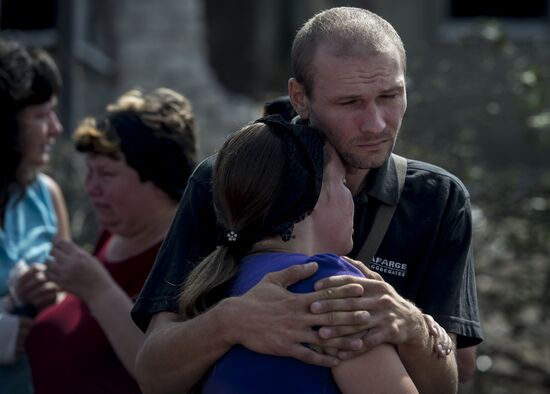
column 162, row 109
column 28, row 76
column 247, row 176
column 156, row 132
column 348, row 31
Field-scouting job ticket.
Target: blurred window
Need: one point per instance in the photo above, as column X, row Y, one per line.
column 499, row 9
column 28, row 14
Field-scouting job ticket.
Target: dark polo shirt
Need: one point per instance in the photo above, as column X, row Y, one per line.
column 425, row 254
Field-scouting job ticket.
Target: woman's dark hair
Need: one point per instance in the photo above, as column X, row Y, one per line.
column 247, row 177
column 155, row 132
column 267, row 177
column 28, row 76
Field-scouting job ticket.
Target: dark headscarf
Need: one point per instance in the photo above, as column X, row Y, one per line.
column 300, row 184
column 157, row 156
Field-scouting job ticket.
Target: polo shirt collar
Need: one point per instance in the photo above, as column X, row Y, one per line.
column 382, row 185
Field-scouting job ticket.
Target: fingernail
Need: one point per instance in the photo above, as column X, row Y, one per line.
column 363, row 316
column 343, row 355
column 311, row 264
column 356, row 344
column 325, row 332
column 316, row 307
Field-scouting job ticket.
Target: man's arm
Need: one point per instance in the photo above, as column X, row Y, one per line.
column 393, row 320
column 268, row 319
column 175, row 354
column 466, row 360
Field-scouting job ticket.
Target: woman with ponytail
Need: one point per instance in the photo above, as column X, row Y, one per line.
column 280, row 195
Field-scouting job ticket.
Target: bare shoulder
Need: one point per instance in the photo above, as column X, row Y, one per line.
column 59, row 205
column 52, row 185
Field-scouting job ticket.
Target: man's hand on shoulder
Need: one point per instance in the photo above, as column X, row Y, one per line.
column 393, row 319
column 270, row 319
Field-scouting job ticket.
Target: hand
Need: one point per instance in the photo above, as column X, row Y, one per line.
column 393, row 319
column 271, row 320
column 22, row 333
column 369, row 274
column 443, row 344
column 77, row 271
column 35, row 289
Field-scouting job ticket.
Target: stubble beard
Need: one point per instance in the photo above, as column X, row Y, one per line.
column 350, row 159
column 375, row 160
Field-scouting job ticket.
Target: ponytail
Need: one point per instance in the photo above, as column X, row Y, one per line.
column 207, row 280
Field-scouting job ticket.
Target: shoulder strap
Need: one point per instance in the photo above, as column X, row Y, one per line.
column 384, row 213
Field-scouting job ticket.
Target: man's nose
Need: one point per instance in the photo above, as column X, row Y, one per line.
column 372, row 119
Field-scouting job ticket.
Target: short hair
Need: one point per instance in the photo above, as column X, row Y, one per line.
column 28, row 76
column 349, row 31
column 155, row 132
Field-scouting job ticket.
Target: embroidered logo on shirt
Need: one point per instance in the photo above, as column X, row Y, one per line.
column 389, row 267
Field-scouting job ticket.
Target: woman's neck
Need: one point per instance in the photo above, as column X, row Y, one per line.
column 151, row 232
column 302, row 241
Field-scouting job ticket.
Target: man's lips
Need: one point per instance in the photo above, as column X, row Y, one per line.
column 371, row 144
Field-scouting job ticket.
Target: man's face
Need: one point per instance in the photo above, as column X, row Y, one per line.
column 359, row 103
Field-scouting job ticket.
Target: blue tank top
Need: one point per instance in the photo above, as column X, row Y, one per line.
column 241, row 371
column 30, row 224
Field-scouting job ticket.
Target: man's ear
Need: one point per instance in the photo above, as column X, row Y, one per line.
column 298, row 98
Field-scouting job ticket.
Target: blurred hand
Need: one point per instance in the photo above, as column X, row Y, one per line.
column 76, row 270
column 34, row 288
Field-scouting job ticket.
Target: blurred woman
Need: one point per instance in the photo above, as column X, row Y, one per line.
column 32, row 208
column 139, row 157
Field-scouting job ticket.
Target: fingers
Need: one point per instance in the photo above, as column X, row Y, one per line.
column 350, row 318
column 31, row 282
column 431, row 324
column 343, row 343
column 369, row 274
column 292, row 274
column 64, row 246
column 341, row 304
column 309, row 356
column 340, row 280
column 443, row 343
column 352, row 290
column 341, row 331
column 43, row 296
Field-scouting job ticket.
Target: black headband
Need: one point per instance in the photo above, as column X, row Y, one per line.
column 301, row 184
column 157, row 156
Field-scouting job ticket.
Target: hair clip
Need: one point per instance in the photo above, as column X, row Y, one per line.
column 231, row 236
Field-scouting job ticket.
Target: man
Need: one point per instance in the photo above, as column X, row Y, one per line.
column 349, row 67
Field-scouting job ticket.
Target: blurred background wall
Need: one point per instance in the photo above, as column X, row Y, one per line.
column 479, row 105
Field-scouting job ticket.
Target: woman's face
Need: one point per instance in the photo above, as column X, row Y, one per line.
column 333, row 213
column 39, row 127
column 119, row 197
